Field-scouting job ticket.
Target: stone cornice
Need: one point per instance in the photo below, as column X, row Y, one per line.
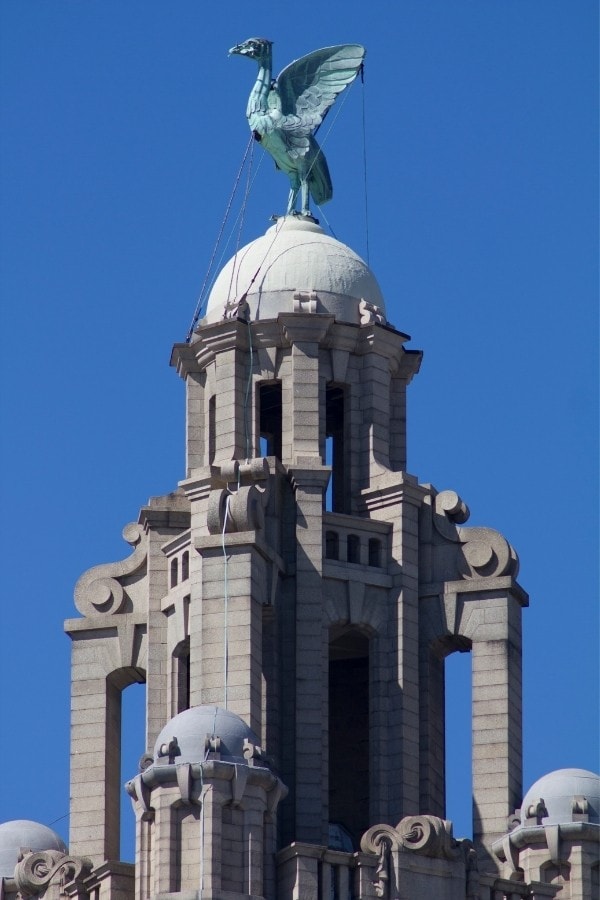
column 501, row 585
column 301, row 328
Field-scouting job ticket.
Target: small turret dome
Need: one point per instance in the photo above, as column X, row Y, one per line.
column 295, row 256
column 23, row 834
column 189, row 729
column 559, row 791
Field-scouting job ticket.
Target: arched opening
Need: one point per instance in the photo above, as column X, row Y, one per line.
column 338, row 496
column 332, row 545
column 353, row 548
column 212, row 429
column 458, row 743
column 185, row 565
column 349, row 762
column 375, row 552
column 270, row 418
column 556, row 874
column 180, row 690
column 126, row 743
column 174, row 571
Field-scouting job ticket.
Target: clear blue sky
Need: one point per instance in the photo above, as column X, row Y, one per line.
column 122, row 130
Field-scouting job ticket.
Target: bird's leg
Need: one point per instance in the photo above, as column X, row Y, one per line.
column 292, row 201
column 305, row 208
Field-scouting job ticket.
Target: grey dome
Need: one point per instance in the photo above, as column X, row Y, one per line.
column 295, row 255
column 557, row 790
column 24, row 834
column 191, row 727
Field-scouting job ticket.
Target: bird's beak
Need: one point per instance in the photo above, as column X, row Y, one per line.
column 236, row 49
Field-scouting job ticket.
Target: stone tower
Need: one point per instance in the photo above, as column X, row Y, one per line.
column 290, row 607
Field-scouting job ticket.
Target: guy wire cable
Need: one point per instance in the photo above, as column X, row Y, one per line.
column 214, row 253
column 364, row 132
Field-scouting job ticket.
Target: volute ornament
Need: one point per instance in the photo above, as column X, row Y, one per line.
column 99, row 590
column 37, row 872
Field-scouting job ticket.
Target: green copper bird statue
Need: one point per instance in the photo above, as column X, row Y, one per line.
column 284, row 114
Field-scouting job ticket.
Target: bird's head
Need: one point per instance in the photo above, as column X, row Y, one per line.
column 254, row 48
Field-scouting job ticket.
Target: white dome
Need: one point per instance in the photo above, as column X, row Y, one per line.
column 190, row 728
column 557, row 790
column 23, row 834
column 295, row 256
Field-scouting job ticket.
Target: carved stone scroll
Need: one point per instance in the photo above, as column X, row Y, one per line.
column 484, row 552
column 370, row 313
column 99, row 589
column 38, row 873
column 240, row 506
column 427, row 835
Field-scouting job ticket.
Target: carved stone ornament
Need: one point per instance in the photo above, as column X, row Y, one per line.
column 240, row 506
column 428, row 835
column 369, row 313
column 484, row 552
column 37, row 873
column 305, row 302
column 99, row 589
column 237, row 309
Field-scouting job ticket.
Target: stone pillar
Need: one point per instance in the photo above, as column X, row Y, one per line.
column 311, row 787
column 497, row 727
column 95, row 713
column 233, row 591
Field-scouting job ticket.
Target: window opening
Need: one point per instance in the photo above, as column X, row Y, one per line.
column 353, row 548
column 270, row 419
column 174, row 571
column 335, row 450
column 349, row 757
column 458, row 755
column 181, row 676
column 212, row 426
column 132, row 701
column 332, row 545
column 374, row 552
column 185, row 566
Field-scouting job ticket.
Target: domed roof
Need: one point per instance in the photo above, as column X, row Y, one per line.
column 190, row 729
column 557, row 790
column 23, row 834
column 295, row 256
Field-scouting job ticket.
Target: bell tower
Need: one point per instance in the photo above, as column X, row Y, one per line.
column 290, row 607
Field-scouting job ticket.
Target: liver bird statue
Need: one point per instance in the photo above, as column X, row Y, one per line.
column 284, row 114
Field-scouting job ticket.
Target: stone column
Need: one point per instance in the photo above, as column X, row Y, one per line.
column 311, row 659
column 497, row 728
column 232, row 600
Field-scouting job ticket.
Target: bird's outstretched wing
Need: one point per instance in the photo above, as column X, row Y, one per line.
column 308, row 87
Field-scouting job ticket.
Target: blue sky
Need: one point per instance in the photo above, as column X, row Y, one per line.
column 122, row 131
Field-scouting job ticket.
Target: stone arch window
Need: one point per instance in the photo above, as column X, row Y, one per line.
column 375, row 552
column 353, row 548
column 174, row 572
column 332, row 545
column 349, row 752
column 185, row 565
column 270, row 418
column 180, row 674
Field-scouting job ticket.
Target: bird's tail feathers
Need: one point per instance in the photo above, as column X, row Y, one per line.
column 319, row 179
